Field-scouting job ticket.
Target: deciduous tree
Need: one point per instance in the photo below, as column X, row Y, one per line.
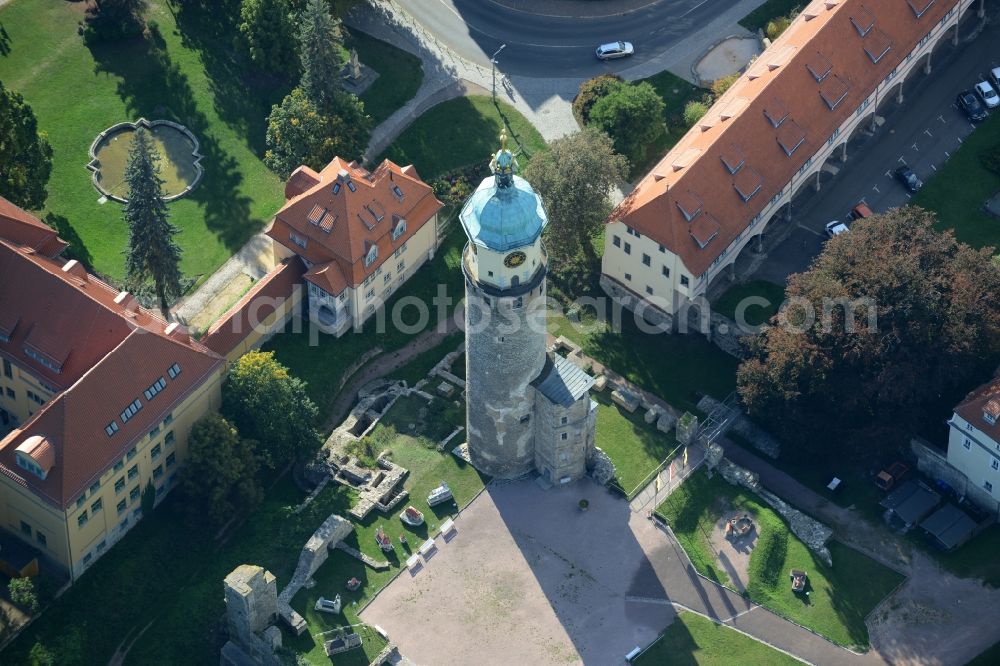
column 221, row 474
column 25, row 154
column 152, row 252
column 299, row 133
column 633, row 116
column 267, row 404
column 114, row 19
column 592, row 90
column 22, row 593
column 840, row 385
column 574, row 177
column 268, row 28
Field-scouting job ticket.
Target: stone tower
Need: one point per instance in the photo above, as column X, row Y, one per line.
column 504, row 265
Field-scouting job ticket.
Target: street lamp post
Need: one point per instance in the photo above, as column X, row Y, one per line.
column 493, row 62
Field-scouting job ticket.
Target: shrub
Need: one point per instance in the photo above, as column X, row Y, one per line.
column 694, row 111
column 720, row 86
column 591, row 91
column 777, row 26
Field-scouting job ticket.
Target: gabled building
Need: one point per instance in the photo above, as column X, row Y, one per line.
column 974, row 444
column 361, row 234
column 97, row 397
column 735, row 173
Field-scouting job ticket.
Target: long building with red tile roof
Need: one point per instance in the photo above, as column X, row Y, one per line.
column 97, row 397
column 770, row 135
column 360, row 234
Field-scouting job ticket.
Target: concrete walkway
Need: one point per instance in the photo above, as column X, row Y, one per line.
column 254, row 260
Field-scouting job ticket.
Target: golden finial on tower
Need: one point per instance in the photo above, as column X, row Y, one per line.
column 503, row 139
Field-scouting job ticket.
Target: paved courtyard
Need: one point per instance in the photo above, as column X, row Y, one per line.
column 529, row 578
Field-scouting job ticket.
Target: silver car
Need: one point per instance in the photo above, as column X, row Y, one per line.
column 987, row 94
column 615, row 50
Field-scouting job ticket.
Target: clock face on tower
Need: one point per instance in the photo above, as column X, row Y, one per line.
column 514, row 259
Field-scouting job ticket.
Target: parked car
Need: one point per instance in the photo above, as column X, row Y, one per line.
column 615, row 50
column 835, row 228
column 971, row 106
column 861, row 211
column 908, row 178
column 891, row 475
column 995, row 77
column 987, row 94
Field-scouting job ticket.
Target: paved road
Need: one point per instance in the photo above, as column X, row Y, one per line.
column 922, row 132
column 546, row 46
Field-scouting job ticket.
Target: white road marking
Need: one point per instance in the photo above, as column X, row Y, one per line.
column 908, row 196
column 875, row 187
column 941, row 118
column 901, row 160
column 684, row 15
column 960, row 139
column 888, row 174
column 947, row 154
column 914, row 146
column 928, row 133
column 934, row 167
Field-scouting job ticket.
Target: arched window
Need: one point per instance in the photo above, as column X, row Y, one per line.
column 514, row 281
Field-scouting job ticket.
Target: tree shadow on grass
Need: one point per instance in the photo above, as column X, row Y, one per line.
column 243, row 96
column 4, row 41
column 77, row 249
column 153, row 86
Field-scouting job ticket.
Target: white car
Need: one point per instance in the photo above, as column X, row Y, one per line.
column 987, row 94
column 836, row 228
column 615, row 50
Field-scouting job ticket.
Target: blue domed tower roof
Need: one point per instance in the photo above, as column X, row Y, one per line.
column 504, row 212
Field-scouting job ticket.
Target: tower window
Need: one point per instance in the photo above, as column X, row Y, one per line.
column 564, row 436
column 525, row 418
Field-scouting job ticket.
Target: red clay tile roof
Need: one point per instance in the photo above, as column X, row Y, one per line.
column 110, row 352
column 74, row 421
column 340, row 227
column 22, row 228
column 254, row 308
column 774, row 118
column 985, row 399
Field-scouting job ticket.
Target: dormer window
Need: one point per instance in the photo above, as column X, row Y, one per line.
column 336, row 188
column 790, row 137
column 174, row 370
column 819, row 66
column 371, row 256
column 351, row 186
column 131, row 410
column 315, row 215
column 748, row 183
column 919, row 7
column 396, row 192
column 877, row 44
column 991, row 411
column 32, row 354
column 733, row 158
column 834, row 91
column 111, row 428
column 863, row 21
column 399, row 229
column 776, row 112
column 37, row 455
column 689, row 204
column 157, row 386
column 298, row 240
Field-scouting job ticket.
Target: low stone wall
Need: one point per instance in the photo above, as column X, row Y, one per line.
column 600, row 466
column 313, row 554
column 810, row 531
column 727, row 335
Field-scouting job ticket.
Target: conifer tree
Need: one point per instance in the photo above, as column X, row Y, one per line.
column 152, row 252
column 319, row 51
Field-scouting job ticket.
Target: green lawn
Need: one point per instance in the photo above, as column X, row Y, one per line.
column 427, row 468
column 635, row 446
column 400, row 74
column 771, row 9
column 840, row 597
column 676, row 93
column 321, row 360
column 677, row 368
column 459, row 133
column 186, row 74
column 694, row 640
column 753, row 314
column 958, row 190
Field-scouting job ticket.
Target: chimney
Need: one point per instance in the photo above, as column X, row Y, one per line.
column 177, row 332
column 76, row 269
column 344, row 176
column 126, row 301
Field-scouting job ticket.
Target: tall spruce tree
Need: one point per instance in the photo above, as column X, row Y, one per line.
column 319, row 51
column 152, row 252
